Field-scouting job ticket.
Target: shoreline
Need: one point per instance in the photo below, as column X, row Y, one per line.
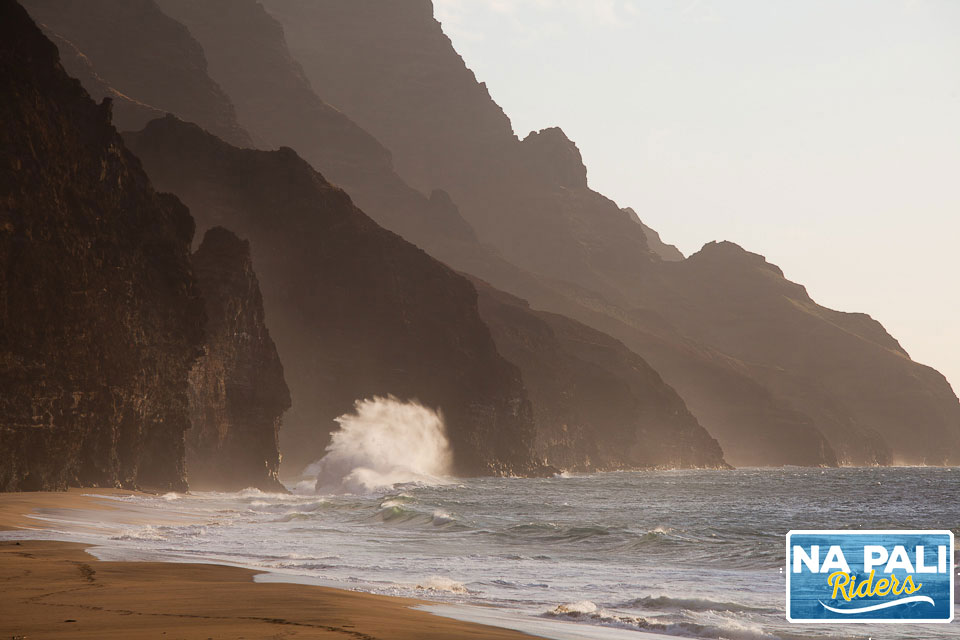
column 53, row 589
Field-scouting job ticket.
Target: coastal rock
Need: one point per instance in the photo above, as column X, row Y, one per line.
column 99, row 317
column 844, row 370
column 354, row 309
column 405, row 84
column 777, row 378
column 248, row 56
column 237, row 389
column 142, row 53
column 596, row 405
column 128, row 113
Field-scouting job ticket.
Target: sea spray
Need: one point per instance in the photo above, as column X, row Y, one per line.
column 383, row 443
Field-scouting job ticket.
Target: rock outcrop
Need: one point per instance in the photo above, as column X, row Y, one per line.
column 775, row 377
column 128, row 113
column 237, row 389
column 354, row 309
column 248, row 56
column 596, row 405
column 843, row 370
column 666, row 251
column 99, row 317
column 390, row 67
column 140, row 52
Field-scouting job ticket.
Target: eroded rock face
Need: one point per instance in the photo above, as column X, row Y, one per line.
column 99, row 317
column 596, row 405
column 666, row 251
column 145, row 55
column 354, row 309
column 249, row 57
column 237, row 390
column 777, row 378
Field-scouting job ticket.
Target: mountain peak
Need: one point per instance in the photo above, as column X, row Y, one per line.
column 553, row 155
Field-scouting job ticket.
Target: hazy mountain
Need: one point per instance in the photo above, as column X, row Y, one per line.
column 656, row 244
column 354, row 309
column 596, row 404
column 249, row 57
column 765, row 369
column 237, row 389
column 99, row 318
column 140, row 52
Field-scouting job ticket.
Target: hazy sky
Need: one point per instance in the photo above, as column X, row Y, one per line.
column 823, row 134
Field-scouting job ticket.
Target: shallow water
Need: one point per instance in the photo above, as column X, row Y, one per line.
column 685, row 553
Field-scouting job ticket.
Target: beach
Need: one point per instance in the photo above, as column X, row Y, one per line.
column 51, row 589
column 612, row 556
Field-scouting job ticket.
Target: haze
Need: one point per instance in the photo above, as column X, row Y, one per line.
column 821, row 134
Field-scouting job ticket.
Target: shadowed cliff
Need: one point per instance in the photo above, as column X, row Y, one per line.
column 596, row 404
column 355, row 310
column 138, row 51
column 774, row 376
column 99, row 318
column 237, row 389
column 248, row 56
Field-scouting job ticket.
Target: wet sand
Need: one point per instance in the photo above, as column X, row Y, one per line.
column 57, row 590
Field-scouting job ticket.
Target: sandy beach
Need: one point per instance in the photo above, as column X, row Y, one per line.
column 57, row 590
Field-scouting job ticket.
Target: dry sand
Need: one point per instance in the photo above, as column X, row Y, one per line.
column 57, row 590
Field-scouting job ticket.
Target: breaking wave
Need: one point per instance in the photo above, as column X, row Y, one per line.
column 385, row 442
column 714, row 626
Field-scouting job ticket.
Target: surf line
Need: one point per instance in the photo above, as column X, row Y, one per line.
column 884, row 605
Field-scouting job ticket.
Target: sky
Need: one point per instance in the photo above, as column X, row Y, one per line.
column 822, row 134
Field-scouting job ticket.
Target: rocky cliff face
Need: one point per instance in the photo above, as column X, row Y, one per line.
column 128, row 113
column 355, row 310
column 775, row 377
column 237, row 389
column 99, row 318
column 140, row 52
column 874, row 404
column 390, row 67
column 249, row 57
column 657, row 245
column 596, row 404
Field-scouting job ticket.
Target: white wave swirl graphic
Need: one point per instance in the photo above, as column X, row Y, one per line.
column 884, row 605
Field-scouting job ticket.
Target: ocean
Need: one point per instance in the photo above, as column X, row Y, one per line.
column 696, row 554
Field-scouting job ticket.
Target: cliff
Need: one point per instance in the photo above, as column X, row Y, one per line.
column 390, row 67
column 355, row 310
column 843, row 370
column 248, row 55
column 140, row 52
column 656, row 244
column 237, row 390
column 775, row 377
column 99, row 318
column 596, row 405
column 128, row 113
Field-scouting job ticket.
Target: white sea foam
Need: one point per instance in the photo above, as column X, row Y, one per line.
column 441, row 583
column 384, row 443
column 627, row 556
column 711, row 625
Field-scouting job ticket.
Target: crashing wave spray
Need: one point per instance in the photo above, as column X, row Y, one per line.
column 383, row 443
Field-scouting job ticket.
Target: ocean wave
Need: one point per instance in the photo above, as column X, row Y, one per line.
column 145, row 533
column 441, row 583
column 728, row 628
column 553, row 532
column 667, row 603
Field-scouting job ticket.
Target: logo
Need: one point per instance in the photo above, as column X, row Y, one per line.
column 870, row 576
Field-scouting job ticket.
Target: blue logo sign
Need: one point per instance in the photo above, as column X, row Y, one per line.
column 869, row 576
